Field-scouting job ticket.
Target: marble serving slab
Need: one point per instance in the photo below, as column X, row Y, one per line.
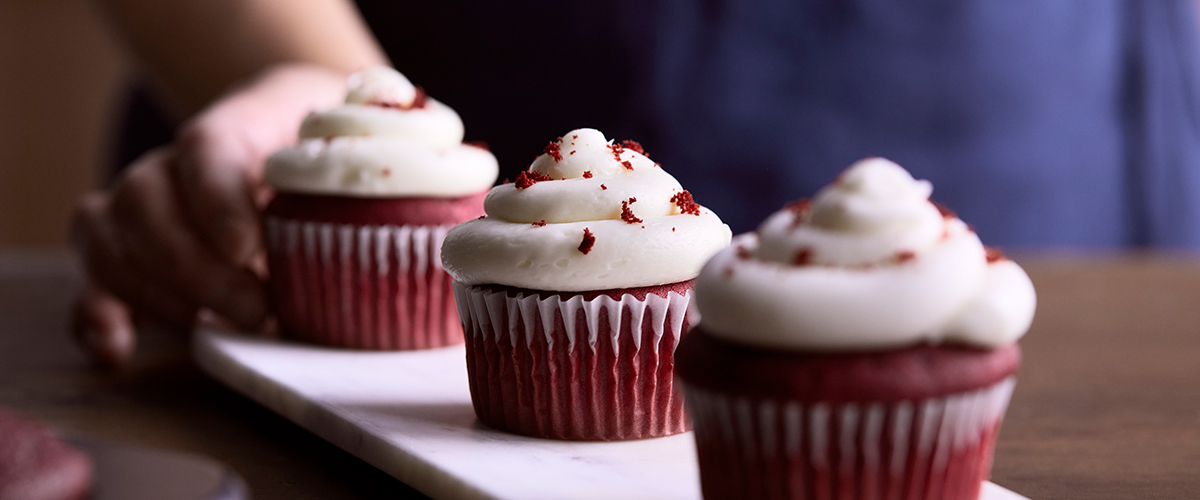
column 410, row 415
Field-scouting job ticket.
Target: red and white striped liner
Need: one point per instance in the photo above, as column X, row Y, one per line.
column 938, row 448
column 532, row 373
column 362, row 287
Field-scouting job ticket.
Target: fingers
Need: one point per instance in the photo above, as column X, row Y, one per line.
column 213, row 169
column 220, row 152
column 103, row 327
column 138, row 244
column 111, row 264
column 163, row 245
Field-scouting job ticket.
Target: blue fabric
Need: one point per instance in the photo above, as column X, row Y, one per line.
column 1042, row 123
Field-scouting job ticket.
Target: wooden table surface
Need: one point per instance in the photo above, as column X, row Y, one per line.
column 1107, row 405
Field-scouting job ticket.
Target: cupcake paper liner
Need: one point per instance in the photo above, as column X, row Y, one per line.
column 376, row 287
column 564, row 367
column 928, row 449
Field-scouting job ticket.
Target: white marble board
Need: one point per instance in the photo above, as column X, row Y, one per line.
column 410, row 415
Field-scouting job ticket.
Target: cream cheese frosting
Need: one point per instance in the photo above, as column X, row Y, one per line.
column 869, row 264
column 387, row 140
column 589, row 214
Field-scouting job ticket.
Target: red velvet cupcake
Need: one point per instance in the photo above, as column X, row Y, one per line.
column 362, row 204
column 36, row 465
column 575, row 290
column 860, row 346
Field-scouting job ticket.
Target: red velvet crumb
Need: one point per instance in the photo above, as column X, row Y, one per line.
column 506, row 181
column 552, row 150
column 686, row 204
column 589, row 240
column 905, row 256
column 946, row 212
column 798, row 207
column 617, row 149
column 803, row 257
column 528, row 178
column 994, row 255
column 628, row 166
column 627, row 214
column 418, row 102
column 587, row 174
column 633, row 146
column 603, row 187
column 477, row 144
column 541, row 223
column 742, row 252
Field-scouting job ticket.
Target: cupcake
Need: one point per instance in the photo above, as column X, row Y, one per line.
column 575, row 289
column 361, row 207
column 36, row 465
column 859, row 346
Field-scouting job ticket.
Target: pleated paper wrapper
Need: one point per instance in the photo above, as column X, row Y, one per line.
column 601, row 369
column 362, row 287
column 931, row 449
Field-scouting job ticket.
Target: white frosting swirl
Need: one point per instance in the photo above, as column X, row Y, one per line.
column 590, row 182
column 388, row 140
column 871, row 264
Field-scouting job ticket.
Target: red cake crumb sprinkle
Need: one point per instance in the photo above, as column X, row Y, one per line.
column 477, row 144
column 572, row 152
column 603, row 187
column 506, row 181
column 541, row 223
column 946, row 212
column 552, row 150
column 528, row 178
column 587, row 174
column 418, row 102
column 803, row 257
column 617, row 149
column 633, row 146
column 576, row 136
column 672, row 230
column 657, row 165
column 589, row 240
column 742, row 252
column 627, row 214
column 686, row 204
column 905, row 256
column 994, row 254
column 628, row 166
column 799, row 208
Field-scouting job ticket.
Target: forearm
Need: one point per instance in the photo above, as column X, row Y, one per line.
column 197, row 49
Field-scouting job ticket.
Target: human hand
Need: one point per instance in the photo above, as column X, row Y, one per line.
column 178, row 232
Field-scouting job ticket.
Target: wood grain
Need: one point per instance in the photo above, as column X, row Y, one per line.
column 1107, row 405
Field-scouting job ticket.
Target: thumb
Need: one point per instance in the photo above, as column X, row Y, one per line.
column 102, row 325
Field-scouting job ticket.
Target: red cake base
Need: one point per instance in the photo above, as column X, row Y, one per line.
column 364, row 273
column 35, row 465
column 609, row 375
column 908, row 424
